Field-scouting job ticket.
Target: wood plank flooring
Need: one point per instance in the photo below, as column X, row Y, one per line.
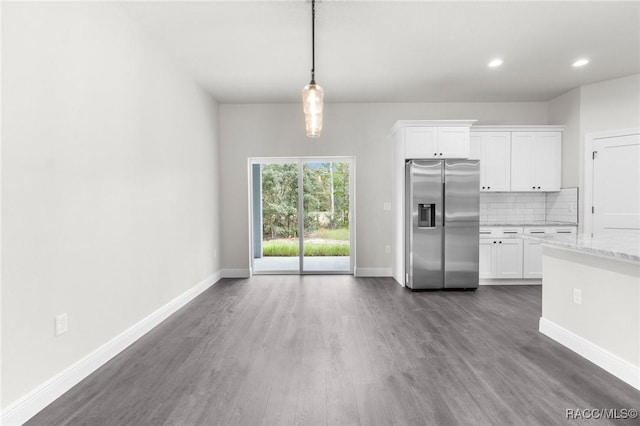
column 339, row 350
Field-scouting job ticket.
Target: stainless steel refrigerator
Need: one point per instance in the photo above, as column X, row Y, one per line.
column 442, row 224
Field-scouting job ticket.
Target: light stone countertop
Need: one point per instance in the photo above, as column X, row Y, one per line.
column 623, row 246
column 527, row 223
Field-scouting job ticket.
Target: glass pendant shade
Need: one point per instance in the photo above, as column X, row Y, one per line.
column 312, row 101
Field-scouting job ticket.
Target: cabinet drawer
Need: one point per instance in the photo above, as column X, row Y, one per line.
column 540, row 230
column 500, row 232
column 537, row 230
column 568, row 230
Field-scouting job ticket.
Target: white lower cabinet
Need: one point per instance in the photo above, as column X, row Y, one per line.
column 500, row 253
column 500, row 258
column 532, row 264
column 509, row 258
column 486, row 266
column 503, row 255
column 532, row 261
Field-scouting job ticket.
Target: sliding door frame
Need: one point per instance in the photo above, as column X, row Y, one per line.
column 301, row 161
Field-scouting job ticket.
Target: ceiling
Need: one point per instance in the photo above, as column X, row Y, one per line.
column 395, row 51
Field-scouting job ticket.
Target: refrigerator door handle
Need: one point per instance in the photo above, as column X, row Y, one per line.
column 444, row 205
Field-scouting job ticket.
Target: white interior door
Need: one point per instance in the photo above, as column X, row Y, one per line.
column 616, row 183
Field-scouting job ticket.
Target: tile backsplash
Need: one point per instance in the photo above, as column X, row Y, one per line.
column 522, row 207
column 563, row 206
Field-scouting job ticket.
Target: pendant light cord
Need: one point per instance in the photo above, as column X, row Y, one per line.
column 313, row 41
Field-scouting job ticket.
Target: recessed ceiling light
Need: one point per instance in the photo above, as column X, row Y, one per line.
column 495, row 63
column 581, row 62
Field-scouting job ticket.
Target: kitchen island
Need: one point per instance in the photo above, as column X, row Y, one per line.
column 591, row 298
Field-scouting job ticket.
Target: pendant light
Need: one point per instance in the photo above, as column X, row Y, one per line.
column 312, row 94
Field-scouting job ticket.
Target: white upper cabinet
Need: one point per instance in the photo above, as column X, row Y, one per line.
column 426, row 139
column 453, row 142
column 493, row 149
column 536, row 161
column 420, row 142
column 518, row 158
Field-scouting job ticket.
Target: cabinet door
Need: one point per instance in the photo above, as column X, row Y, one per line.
column 509, row 258
column 487, row 265
column 523, row 156
column 532, row 267
column 453, row 142
column 475, row 141
column 548, row 160
column 495, row 161
column 420, row 142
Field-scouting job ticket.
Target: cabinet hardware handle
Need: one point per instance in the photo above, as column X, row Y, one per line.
column 533, row 187
column 488, row 187
column 500, row 242
column 440, row 153
column 537, row 232
column 494, row 242
column 563, row 232
column 435, row 153
column 538, row 187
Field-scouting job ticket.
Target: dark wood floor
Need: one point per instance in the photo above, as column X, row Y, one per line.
column 339, row 350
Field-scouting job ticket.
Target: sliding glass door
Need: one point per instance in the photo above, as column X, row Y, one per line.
column 276, row 236
column 326, row 231
column 301, row 215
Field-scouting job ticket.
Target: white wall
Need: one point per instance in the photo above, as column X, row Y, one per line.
column 608, row 319
column 360, row 130
column 109, row 183
column 608, row 105
column 565, row 110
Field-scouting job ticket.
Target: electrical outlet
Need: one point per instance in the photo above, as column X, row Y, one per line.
column 577, row 296
column 387, row 249
column 62, row 324
column 387, row 206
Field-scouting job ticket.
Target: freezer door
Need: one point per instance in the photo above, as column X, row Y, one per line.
column 461, row 223
column 423, row 225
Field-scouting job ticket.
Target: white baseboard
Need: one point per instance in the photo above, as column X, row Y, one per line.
column 604, row 359
column 372, row 272
column 236, row 273
column 527, row 281
column 30, row 404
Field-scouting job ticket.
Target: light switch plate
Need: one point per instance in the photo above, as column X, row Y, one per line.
column 577, row 296
column 62, row 324
column 387, row 206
